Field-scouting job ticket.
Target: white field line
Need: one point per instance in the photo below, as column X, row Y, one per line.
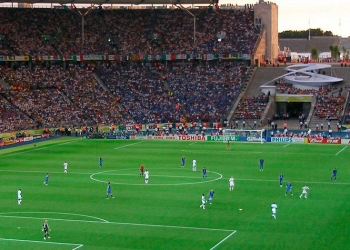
column 78, row 247
column 313, row 182
column 36, row 149
column 105, row 173
column 119, row 223
column 228, row 236
column 130, row 145
column 45, row 242
column 81, row 215
column 154, row 175
column 192, row 143
column 286, row 145
column 341, row 150
column 256, row 180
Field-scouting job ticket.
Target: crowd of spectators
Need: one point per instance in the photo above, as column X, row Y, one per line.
column 251, row 107
column 329, row 107
column 52, row 97
column 174, row 91
column 38, row 32
column 12, row 119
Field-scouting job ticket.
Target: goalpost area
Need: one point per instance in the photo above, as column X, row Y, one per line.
column 243, row 135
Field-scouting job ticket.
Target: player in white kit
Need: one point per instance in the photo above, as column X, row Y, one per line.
column 65, row 167
column 19, row 196
column 304, row 192
column 146, row 176
column 203, row 202
column 232, row 183
column 194, row 165
column 274, row 210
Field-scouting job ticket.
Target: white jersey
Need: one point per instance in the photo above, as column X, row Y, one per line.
column 146, row 175
column 19, row 194
column 194, row 163
column 65, row 166
column 273, row 208
column 305, row 189
column 203, row 199
column 231, row 181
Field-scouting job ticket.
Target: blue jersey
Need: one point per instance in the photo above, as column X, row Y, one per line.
column 289, row 187
column 211, row 194
column 204, row 171
column 109, row 189
column 101, row 161
column 47, row 178
column 183, row 159
column 334, row 172
column 261, row 162
column 281, row 177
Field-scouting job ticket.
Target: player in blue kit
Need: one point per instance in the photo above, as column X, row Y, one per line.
column 289, row 188
column 281, row 179
column 334, row 174
column 46, row 179
column 183, row 160
column 109, row 191
column 204, row 173
column 211, row 196
column 101, row 161
column 261, row 164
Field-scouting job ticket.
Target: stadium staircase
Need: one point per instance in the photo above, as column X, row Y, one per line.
column 244, row 88
column 104, row 86
column 71, row 102
column 4, row 85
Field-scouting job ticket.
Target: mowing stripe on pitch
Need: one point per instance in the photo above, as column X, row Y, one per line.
column 117, row 223
column 36, row 149
column 45, row 242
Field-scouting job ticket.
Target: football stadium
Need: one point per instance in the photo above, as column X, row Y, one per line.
column 167, row 125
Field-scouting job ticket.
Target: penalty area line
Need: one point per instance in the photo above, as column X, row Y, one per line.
column 129, row 145
column 228, row 236
column 120, row 223
column 341, row 150
column 45, row 242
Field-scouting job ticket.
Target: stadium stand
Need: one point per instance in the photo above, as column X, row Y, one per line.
column 50, row 88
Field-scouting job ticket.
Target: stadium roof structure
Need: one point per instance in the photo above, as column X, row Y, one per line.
column 100, row 2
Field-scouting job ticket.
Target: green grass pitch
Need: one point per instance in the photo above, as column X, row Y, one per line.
column 165, row 213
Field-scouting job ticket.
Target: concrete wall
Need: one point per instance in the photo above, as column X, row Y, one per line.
column 267, row 12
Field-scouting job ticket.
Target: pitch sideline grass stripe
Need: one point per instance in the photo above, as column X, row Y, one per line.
column 44, row 242
column 36, row 149
column 341, row 150
column 228, row 236
column 128, row 145
column 120, row 223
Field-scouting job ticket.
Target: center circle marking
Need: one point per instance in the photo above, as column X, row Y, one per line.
column 92, row 177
